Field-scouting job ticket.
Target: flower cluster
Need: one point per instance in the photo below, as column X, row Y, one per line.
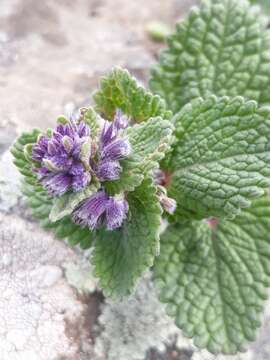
column 60, row 156
column 70, row 158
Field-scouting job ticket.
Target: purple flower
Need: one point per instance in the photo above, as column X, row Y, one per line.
column 101, row 209
column 90, row 211
column 61, row 166
column 108, row 170
column 57, row 183
column 40, row 149
column 120, row 120
column 70, row 158
column 112, row 149
column 116, row 212
column 168, row 204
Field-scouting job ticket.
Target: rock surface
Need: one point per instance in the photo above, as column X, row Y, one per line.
column 37, row 303
column 53, row 52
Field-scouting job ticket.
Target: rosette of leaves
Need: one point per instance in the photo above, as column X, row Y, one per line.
column 214, row 265
column 122, row 255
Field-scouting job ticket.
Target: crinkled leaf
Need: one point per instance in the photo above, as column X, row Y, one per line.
column 65, row 204
column 38, row 199
column 222, row 48
column 221, row 159
column 215, row 280
column 119, row 90
column 122, row 255
column 149, row 142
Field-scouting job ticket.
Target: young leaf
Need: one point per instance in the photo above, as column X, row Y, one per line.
column 221, row 159
column 222, row 48
column 118, row 90
column 121, row 256
column 215, row 280
column 38, row 199
column 65, row 204
column 149, row 142
column 93, row 120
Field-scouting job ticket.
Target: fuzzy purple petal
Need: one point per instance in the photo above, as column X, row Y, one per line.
column 159, row 176
column 90, row 211
column 63, row 129
column 108, row 170
column 83, row 130
column 79, row 182
column 61, row 161
column 57, row 183
column 76, row 169
column 43, row 171
column 116, row 150
column 40, row 149
column 120, row 120
column 107, row 135
column 168, row 204
column 116, row 213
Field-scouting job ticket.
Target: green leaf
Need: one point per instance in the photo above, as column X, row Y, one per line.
column 38, row 199
column 221, row 159
column 93, row 120
column 62, row 119
column 85, row 152
column 121, row 256
column 118, row 90
column 215, row 280
column 222, row 48
column 150, row 142
column 65, row 204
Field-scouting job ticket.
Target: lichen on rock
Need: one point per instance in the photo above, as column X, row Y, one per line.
column 132, row 326
column 36, row 301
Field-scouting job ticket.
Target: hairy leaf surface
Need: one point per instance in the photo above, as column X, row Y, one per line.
column 222, row 48
column 121, row 256
column 150, row 142
column 221, row 158
column 119, row 90
column 215, row 280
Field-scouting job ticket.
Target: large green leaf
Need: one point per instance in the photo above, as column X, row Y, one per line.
column 221, row 159
column 121, row 256
column 118, row 90
column 222, row 48
column 215, row 278
column 150, row 142
column 38, row 199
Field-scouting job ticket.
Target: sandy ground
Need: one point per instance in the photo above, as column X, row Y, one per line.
column 53, row 52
